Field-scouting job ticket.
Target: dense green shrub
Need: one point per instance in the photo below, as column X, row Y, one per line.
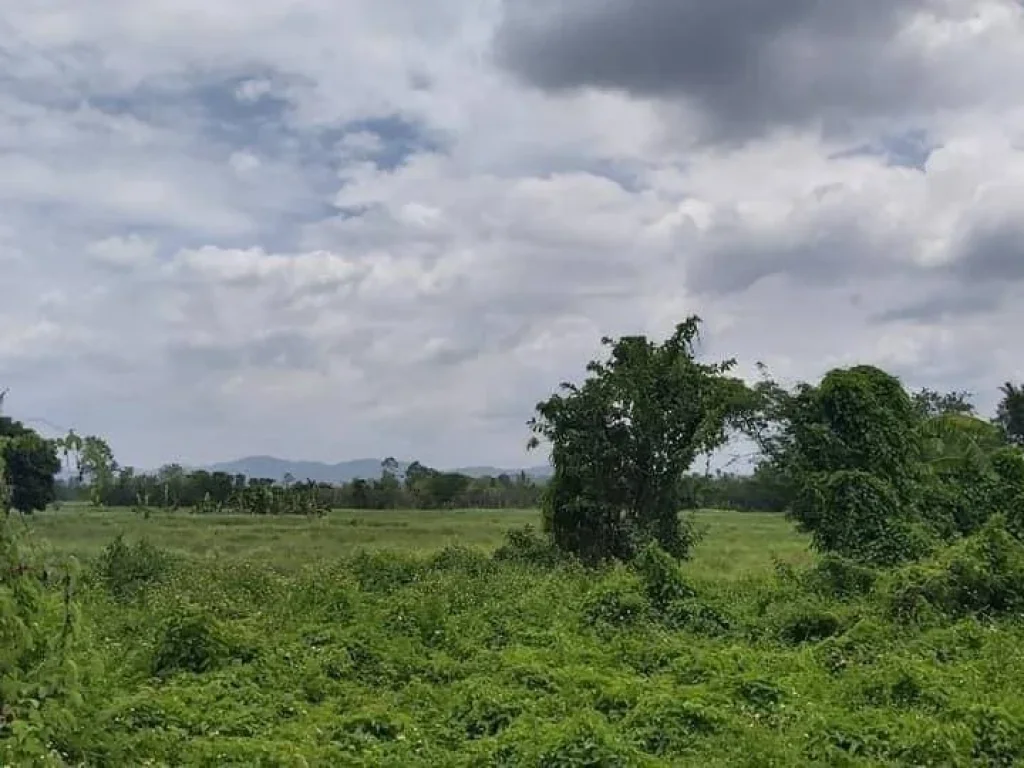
column 460, row 559
column 530, row 546
column 998, row 737
column 661, row 577
column 191, row 642
column 385, row 572
column 964, row 495
column 127, row 569
column 839, row 578
column 860, row 516
column 983, row 575
column 483, row 709
column 581, row 740
column 40, row 689
column 1008, row 465
column 671, row 725
column 455, row 658
column 807, row 623
column 862, row 644
column 617, row 600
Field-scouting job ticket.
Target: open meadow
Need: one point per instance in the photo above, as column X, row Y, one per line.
column 415, row 638
column 737, row 543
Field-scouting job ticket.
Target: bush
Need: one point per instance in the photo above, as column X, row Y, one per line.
column 899, row 685
column 807, row 623
column 954, row 504
column 464, row 560
column 669, row 725
column 998, row 737
column 859, row 516
column 839, row 578
column 582, row 740
column 483, row 709
column 960, row 499
column 40, row 688
column 861, row 644
column 1008, row 464
column 982, row 576
column 697, row 616
column 375, row 724
column 617, row 601
column 127, row 570
column 529, row 546
column 385, row 572
column 661, row 577
column 193, row 642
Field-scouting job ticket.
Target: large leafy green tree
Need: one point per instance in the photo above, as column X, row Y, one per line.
column 622, row 440
column 30, row 466
column 850, row 454
column 972, row 473
column 92, row 461
column 1010, row 412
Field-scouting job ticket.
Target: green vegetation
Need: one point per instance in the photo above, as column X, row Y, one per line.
column 1010, row 414
column 623, row 441
column 28, row 463
column 877, row 622
column 752, row 653
column 173, row 488
column 738, row 544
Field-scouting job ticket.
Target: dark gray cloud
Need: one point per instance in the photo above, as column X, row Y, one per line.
column 822, row 252
column 992, row 252
column 278, row 349
column 947, row 303
column 747, row 64
column 985, row 272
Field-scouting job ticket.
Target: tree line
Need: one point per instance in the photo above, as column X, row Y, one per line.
column 420, row 487
column 623, row 445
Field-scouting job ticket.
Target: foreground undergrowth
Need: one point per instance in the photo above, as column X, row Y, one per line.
column 463, row 659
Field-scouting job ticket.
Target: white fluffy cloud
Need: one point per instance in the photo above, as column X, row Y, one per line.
column 334, row 230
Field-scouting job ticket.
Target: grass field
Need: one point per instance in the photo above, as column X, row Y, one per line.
column 736, row 543
column 396, row 639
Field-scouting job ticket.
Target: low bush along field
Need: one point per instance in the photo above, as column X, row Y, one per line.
column 399, row 639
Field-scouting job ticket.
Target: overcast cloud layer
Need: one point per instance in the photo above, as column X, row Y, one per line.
column 326, row 230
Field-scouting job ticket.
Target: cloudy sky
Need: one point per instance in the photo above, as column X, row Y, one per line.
column 329, row 229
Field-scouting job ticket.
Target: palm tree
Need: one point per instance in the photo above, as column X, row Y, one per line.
column 1010, row 413
column 954, row 440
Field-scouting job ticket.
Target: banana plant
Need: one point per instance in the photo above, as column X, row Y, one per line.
column 956, row 440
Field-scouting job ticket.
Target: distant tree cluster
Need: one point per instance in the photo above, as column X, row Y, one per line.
column 419, row 487
column 758, row 491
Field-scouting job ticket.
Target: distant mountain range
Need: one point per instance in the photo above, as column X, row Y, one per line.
column 345, row 471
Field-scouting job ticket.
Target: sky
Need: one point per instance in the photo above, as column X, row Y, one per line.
column 328, row 230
